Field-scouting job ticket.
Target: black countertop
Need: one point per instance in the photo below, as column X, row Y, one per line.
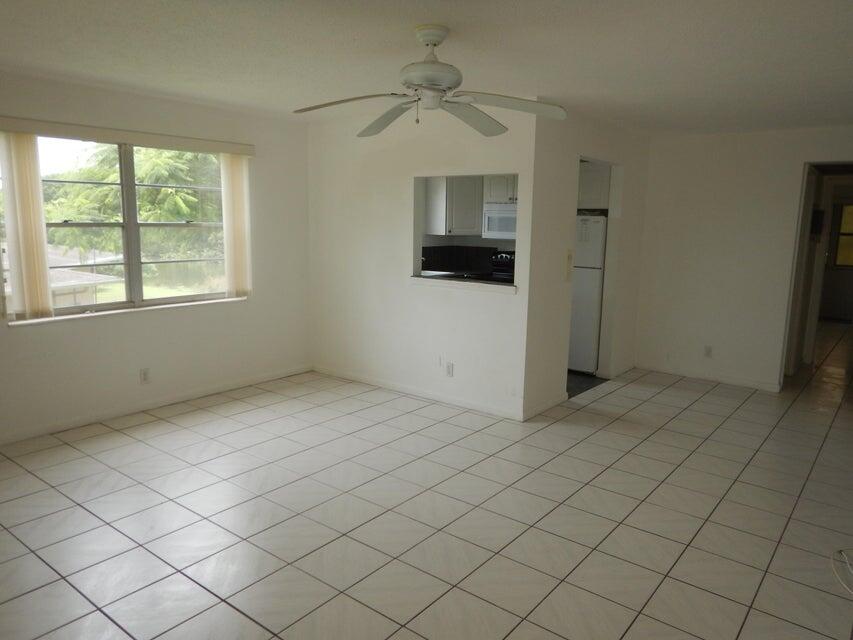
column 471, row 276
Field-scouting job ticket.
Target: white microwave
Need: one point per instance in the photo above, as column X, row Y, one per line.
column 499, row 221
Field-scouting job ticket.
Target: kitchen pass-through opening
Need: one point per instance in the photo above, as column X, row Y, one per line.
column 465, row 228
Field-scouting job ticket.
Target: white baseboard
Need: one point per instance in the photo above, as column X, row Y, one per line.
column 761, row 385
column 535, row 411
column 510, row 414
column 149, row 403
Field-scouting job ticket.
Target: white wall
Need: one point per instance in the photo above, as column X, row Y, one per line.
column 718, row 249
column 559, row 148
column 716, row 216
column 69, row 372
column 373, row 321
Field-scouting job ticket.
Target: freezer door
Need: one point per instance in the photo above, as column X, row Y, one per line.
column 590, row 235
column 586, row 319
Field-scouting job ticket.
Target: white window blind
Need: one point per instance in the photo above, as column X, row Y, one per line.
column 88, row 226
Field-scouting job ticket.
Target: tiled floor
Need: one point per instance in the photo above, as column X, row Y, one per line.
column 311, row 507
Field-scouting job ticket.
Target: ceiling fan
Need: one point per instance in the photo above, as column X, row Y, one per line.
column 432, row 84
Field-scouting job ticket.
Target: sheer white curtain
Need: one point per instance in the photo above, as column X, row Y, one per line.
column 26, row 236
column 235, row 222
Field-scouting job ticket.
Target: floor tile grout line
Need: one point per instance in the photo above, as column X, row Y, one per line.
column 707, row 519
column 687, row 544
column 811, row 469
column 346, row 534
column 220, row 479
column 734, row 410
column 399, row 556
column 512, row 443
column 619, row 523
column 483, row 428
column 64, row 578
column 424, row 455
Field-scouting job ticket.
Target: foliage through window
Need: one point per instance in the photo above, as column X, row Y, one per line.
column 130, row 224
column 844, row 249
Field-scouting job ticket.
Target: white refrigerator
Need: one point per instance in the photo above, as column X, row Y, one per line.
column 587, row 285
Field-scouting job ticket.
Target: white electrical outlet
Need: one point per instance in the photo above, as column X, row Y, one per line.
column 144, row 375
column 709, row 351
column 448, row 369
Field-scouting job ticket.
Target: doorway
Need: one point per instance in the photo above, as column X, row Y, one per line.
column 822, row 283
column 588, row 264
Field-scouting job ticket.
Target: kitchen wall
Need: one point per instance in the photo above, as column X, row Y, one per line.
column 718, row 249
column 68, row 372
column 559, row 148
column 467, row 241
column 372, row 320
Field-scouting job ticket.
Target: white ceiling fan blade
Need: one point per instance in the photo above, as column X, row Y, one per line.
column 516, row 104
column 473, row 117
column 345, row 100
column 381, row 123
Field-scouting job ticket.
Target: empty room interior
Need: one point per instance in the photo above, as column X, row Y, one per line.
column 437, row 320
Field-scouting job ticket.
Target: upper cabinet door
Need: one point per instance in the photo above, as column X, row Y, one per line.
column 594, row 186
column 500, row 189
column 435, row 206
column 465, row 205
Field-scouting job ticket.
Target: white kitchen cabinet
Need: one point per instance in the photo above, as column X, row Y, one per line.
column 500, row 189
column 594, row 186
column 454, row 206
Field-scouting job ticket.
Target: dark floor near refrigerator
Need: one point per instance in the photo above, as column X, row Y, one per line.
column 579, row 382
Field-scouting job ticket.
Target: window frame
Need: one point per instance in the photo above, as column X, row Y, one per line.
column 841, row 234
column 132, row 250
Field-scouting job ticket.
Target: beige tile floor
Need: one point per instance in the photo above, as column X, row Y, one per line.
column 651, row 506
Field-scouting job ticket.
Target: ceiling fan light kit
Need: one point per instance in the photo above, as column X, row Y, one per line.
column 433, row 84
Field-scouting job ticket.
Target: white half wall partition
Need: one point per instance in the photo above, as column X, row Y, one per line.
column 719, row 243
column 371, row 320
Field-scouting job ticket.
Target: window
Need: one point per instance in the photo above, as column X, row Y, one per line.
column 844, row 250
column 130, row 225
column 81, row 189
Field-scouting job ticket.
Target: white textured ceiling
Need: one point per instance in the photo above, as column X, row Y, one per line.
column 703, row 65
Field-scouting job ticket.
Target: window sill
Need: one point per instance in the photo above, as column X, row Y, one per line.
column 468, row 285
column 114, row 312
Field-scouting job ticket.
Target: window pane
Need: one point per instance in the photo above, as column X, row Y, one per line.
column 176, row 168
column 182, row 279
column 847, row 219
column 81, row 202
column 178, row 204
column 84, row 245
column 82, row 286
column 844, row 258
column 64, row 164
column 62, row 159
column 180, row 243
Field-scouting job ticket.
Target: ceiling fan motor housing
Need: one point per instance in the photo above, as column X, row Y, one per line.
column 431, row 74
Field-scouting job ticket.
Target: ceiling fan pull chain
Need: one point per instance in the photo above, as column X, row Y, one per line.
column 418, row 112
